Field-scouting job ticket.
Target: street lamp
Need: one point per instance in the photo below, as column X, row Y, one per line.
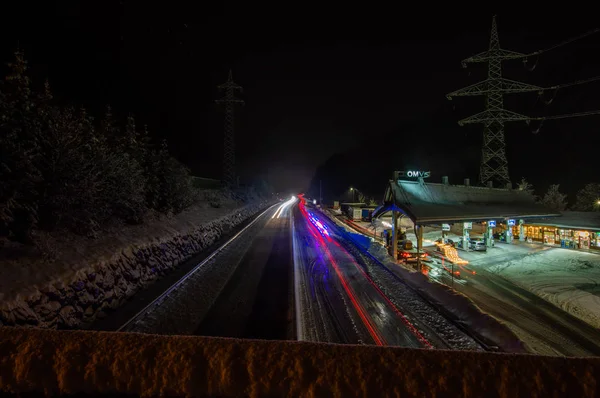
column 352, row 190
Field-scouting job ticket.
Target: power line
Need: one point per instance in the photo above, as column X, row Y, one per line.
column 575, row 83
column 565, row 116
column 565, row 42
column 506, row 55
column 494, row 164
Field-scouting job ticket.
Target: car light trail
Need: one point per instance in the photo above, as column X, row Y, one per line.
column 411, row 327
column 351, row 294
column 283, row 206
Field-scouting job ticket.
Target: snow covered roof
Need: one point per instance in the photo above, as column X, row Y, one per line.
column 574, row 220
column 428, row 203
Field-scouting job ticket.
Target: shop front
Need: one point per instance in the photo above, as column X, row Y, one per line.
column 595, row 241
column 563, row 237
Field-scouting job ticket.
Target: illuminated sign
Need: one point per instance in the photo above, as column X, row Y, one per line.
column 492, row 223
column 511, row 223
column 414, row 174
column 468, row 225
column 445, row 227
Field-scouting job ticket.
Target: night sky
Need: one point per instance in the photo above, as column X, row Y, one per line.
column 341, row 96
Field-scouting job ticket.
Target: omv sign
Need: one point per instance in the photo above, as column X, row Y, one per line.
column 414, row 174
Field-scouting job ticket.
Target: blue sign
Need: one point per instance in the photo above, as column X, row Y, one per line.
column 511, row 223
column 492, row 223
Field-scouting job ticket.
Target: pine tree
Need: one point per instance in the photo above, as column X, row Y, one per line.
column 110, row 130
column 19, row 127
column 524, row 185
column 554, row 199
column 145, row 143
column 588, row 198
column 170, row 185
column 131, row 135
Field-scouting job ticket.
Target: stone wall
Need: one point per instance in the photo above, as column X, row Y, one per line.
column 108, row 285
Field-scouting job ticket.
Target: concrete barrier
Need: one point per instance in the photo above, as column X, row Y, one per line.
column 73, row 362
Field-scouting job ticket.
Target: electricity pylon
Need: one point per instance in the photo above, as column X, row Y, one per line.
column 228, row 102
column 494, row 165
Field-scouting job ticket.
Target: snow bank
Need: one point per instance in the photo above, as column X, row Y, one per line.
column 76, row 362
column 453, row 305
column 568, row 279
column 76, row 298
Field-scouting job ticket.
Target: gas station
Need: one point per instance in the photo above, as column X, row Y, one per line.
column 456, row 207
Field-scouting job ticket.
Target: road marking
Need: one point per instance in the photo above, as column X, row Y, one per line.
column 300, row 335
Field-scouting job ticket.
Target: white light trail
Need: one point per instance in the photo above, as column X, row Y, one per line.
column 283, row 206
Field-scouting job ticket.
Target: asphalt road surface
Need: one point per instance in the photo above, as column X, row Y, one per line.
column 257, row 300
column 296, row 281
column 326, row 273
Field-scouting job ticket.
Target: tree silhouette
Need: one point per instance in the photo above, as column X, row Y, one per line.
column 524, row 185
column 18, row 154
column 61, row 169
column 588, row 198
column 554, row 199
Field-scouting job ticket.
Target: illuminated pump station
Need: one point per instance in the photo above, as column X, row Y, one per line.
column 494, row 213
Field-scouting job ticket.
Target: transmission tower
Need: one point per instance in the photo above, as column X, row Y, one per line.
column 494, row 165
column 229, row 101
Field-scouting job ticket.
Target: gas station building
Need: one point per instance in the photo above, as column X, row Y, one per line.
column 426, row 203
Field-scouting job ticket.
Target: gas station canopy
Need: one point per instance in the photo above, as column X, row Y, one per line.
column 431, row 203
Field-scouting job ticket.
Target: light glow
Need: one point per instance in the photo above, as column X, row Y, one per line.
column 283, row 206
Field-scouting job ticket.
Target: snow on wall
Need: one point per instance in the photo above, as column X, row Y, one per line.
column 76, row 301
column 53, row 362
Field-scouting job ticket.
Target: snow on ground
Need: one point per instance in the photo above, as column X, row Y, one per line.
column 52, row 363
column 567, row 278
column 22, row 269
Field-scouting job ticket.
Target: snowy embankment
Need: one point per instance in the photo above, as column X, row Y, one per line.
column 91, row 276
column 53, row 362
column 453, row 305
column 568, row 279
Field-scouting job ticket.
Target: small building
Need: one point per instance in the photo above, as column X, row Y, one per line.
column 353, row 210
column 572, row 230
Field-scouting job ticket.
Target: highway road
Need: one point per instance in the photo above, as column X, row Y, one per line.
column 545, row 328
column 296, row 281
column 334, row 289
column 257, row 301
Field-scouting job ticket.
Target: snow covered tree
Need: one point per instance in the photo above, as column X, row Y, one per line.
column 362, row 198
column 18, row 153
column 524, row 185
column 554, row 199
column 131, row 135
column 109, row 129
column 170, row 187
column 588, row 198
column 60, row 169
